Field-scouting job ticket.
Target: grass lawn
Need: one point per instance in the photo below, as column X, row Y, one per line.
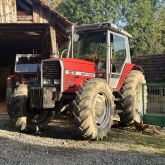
column 137, row 141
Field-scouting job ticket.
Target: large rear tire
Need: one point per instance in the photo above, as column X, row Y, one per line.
column 27, row 119
column 94, row 109
column 132, row 102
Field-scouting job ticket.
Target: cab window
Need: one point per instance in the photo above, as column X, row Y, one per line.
column 118, row 52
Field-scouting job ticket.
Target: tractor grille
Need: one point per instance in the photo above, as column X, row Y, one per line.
column 36, row 97
column 51, row 71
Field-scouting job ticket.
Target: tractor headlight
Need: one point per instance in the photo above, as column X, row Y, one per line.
column 46, row 81
column 56, row 81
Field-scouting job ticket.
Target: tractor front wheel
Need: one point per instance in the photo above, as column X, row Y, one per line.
column 27, row 119
column 94, row 109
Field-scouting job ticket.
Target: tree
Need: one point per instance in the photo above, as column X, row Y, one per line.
column 54, row 3
column 85, row 12
column 161, row 25
column 142, row 22
column 140, row 18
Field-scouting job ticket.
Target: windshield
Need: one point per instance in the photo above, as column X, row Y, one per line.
column 27, row 63
column 90, row 44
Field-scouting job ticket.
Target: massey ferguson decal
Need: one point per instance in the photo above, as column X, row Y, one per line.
column 76, row 73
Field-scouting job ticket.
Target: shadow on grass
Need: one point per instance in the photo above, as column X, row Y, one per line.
column 58, row 129
column 64, row 129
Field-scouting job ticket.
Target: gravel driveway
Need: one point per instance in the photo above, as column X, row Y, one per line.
column 60, row 145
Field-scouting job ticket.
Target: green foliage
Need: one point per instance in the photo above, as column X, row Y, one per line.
column 54, row 3
column 145, row 20
column 86, row 12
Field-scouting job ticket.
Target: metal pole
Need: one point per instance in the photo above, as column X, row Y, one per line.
column 108, row 56
column 72, row 40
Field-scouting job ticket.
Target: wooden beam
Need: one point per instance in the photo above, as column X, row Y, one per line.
column 53, row 40
column 45, row 34
column 29, row 1
column 23, row 5
column 25, row 18
column 23, row 28
column 6, row 31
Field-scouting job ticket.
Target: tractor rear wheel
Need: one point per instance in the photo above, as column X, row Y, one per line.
column 27, row 119
column 132, row 102
column 94, row 109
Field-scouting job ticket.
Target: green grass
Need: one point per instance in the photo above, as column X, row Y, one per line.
column 136, row 141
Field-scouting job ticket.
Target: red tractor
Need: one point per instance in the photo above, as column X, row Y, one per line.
column 94, row 81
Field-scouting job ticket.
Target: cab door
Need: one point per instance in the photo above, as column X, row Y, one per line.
column 119, row 54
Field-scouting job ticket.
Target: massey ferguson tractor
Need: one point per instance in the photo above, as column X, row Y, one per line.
column 93, row 81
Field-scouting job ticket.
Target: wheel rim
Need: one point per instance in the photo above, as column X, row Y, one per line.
column 101, row 110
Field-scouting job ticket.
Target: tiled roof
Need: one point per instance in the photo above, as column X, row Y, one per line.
column 153, row 66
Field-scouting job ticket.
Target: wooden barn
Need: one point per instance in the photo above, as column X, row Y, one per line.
column 28, row 27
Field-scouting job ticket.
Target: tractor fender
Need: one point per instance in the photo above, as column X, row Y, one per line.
column 128, row 67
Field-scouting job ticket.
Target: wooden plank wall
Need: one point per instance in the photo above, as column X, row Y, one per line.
column 40, row 15
column 8, row 11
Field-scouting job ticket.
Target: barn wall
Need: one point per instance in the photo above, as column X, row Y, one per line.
column 8, row 12
column 40, row 15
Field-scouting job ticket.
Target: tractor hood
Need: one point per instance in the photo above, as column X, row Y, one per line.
column 73, row 66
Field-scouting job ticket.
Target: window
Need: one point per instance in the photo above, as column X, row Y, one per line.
column 90, row 44
column 118, row 52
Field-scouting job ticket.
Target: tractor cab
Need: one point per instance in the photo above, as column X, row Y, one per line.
column 106, row 45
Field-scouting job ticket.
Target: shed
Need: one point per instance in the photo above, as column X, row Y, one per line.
column 27, row 27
